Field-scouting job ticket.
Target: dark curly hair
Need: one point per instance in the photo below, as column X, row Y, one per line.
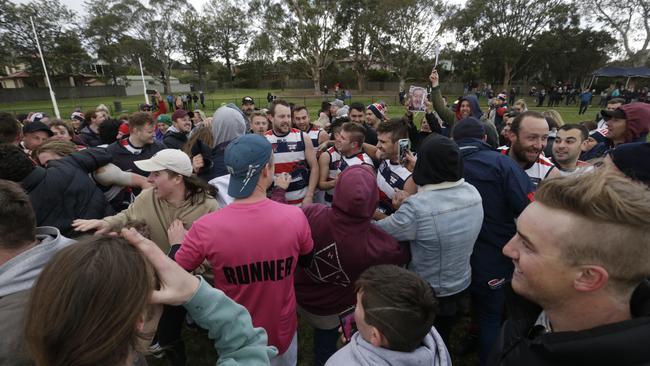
column 15, row 165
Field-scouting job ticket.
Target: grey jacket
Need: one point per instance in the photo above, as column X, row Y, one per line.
column 442, row 222
column 17, row 277
column 432, row 352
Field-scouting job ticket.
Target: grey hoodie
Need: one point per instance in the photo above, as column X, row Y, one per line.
column 432, row 352
column 19, row 273
column 17, row 276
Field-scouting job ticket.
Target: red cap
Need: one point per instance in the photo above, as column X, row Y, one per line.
column 180, row 113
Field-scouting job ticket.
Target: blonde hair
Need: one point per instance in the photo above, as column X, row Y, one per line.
column 555, row 115
column 61, row 148
column 616, row 213
column 202, row 133
column 522, row 103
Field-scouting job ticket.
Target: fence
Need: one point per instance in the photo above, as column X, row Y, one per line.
column 32, row 94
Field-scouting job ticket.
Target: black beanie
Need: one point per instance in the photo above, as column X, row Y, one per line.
column 468, row 128
column 438, row 161
column 633, row 160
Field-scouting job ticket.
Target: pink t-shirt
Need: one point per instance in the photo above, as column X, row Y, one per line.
column 253, row 249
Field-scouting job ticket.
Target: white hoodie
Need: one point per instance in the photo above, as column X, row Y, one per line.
column 432, row 352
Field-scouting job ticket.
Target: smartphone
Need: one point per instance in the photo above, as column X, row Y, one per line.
column 151, row 91
column 348, row 324
column 403, row 146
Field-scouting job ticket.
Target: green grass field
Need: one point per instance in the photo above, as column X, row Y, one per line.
column 306, row 97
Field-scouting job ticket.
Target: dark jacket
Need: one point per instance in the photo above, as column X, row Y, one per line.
column 174, row 140
column 214, row 161
column 370, row 134
column 63, row 191
column 506, row 190
column 124, row 159
column 89, row 137
column 622, row 343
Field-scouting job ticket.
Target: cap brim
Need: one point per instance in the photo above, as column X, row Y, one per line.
column 149, row 165
column 237, row 188
column 46, row 130
column 612, row 114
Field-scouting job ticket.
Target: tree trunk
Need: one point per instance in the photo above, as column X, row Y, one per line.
column 507, row 75
column 230, row 69
column 166, row 83
column 361, row 80
column 315, row 76
column 199, row 70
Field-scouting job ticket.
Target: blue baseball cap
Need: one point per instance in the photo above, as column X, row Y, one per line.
column 245, row 158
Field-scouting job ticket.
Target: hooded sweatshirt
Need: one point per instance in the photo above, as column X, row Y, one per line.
column 228, row 123
column 17, row 276
column 345, row 244
column 637, row 121
column 432, row 352
column 451, row 117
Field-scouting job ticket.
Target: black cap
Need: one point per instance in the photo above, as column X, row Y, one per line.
column 469, row 128
column 247, row 100
column 37, row 126
column 616, row 113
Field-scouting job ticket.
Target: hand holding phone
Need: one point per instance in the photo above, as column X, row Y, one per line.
column 403, row 147
column 348, row 324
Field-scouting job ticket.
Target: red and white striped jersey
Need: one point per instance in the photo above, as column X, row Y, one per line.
column 289, row 157
column 389, row 177
column 338, row 163
column 539, row 170
column 313, row 133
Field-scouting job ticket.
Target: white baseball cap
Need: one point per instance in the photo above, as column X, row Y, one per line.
column 170, row 159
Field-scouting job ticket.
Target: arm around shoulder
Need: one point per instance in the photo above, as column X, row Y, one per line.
column 401, row 225
column 231, row 327
column 90, row 159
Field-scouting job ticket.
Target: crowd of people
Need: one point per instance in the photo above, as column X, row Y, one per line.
column 117, row 232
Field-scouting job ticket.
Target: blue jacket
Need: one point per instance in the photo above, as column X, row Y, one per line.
column 506, row 190
column 442, row 222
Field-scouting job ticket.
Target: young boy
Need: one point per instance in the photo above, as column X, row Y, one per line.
column 394, row 316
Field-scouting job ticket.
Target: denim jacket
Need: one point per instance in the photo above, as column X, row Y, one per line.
column 442, row 221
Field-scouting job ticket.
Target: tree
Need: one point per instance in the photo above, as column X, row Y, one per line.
column 511, row 27
column 230, row 29
column 261, row 48
column 366, row 21
column 306, row 30
column 108, row 24
column 195, row 43
column 629, row 21
column 569, row 54
column 54, row 33
column 157, row 29
column 413, row 30
column 71, row 55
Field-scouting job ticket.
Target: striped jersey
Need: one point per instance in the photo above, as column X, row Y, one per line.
column 313, row 133
column 389, row 177
column 539, row 170
column 338, row 163
column 289, row 157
